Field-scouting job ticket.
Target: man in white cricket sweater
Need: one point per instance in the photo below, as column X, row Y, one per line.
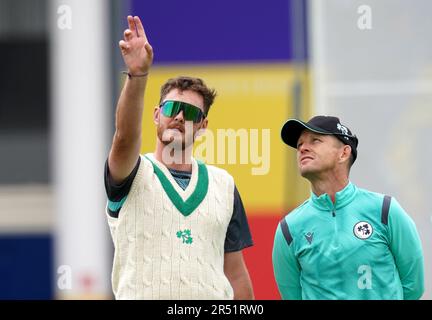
column 178, row 226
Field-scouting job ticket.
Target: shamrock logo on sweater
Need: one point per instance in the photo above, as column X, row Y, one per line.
column 185, row 236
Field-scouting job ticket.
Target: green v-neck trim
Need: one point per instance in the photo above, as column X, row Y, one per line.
column 195, row 199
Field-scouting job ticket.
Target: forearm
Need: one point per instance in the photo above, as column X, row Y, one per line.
column 138, row 57
column 242, row 287
column 406, row 247
column 127, row 138
column 129, row 111
column 238, row 276
column 412, row 278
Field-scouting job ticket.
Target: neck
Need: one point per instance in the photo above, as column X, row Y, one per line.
column 176, row 159
column 329, row 184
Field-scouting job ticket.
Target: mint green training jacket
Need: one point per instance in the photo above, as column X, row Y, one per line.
column 364, row 246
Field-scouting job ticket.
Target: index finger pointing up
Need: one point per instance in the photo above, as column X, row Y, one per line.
column 131, row 23
column 140, row 28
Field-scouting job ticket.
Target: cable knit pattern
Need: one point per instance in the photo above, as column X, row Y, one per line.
column 151, row 261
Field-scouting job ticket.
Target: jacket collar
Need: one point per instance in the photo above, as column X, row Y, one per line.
column 343, row 197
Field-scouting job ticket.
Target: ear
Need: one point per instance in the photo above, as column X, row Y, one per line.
column 204, row 124
column 201, row 130
column 156, row 115
column 346, row 153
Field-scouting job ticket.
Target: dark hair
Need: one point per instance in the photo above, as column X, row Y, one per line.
column 189, row 83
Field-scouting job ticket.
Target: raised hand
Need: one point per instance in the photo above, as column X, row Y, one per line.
column 136, row 51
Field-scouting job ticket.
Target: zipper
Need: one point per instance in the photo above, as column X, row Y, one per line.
column 335, row 230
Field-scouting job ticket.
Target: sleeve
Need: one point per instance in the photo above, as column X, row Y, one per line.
column 117, row 193
column 406, row 248
column 286, row 268
column 238, row 235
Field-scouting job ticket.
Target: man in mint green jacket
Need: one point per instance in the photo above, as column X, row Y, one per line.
column 343, row 242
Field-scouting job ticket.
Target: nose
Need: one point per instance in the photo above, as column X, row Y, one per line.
column 180, row 117
column 303, row 148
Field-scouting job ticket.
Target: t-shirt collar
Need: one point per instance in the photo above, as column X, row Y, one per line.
column 343, row 197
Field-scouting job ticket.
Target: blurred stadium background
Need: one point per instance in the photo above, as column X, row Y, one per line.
column 60, row 76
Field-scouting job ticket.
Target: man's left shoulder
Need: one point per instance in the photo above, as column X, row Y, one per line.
column 370, row 196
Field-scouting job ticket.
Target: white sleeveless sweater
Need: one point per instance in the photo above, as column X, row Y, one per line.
column 169, row 242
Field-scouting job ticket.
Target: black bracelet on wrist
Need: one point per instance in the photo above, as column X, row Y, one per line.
column 135, row 75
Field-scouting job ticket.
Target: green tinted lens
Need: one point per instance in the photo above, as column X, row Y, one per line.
column 190, row 112
column 170, row 108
